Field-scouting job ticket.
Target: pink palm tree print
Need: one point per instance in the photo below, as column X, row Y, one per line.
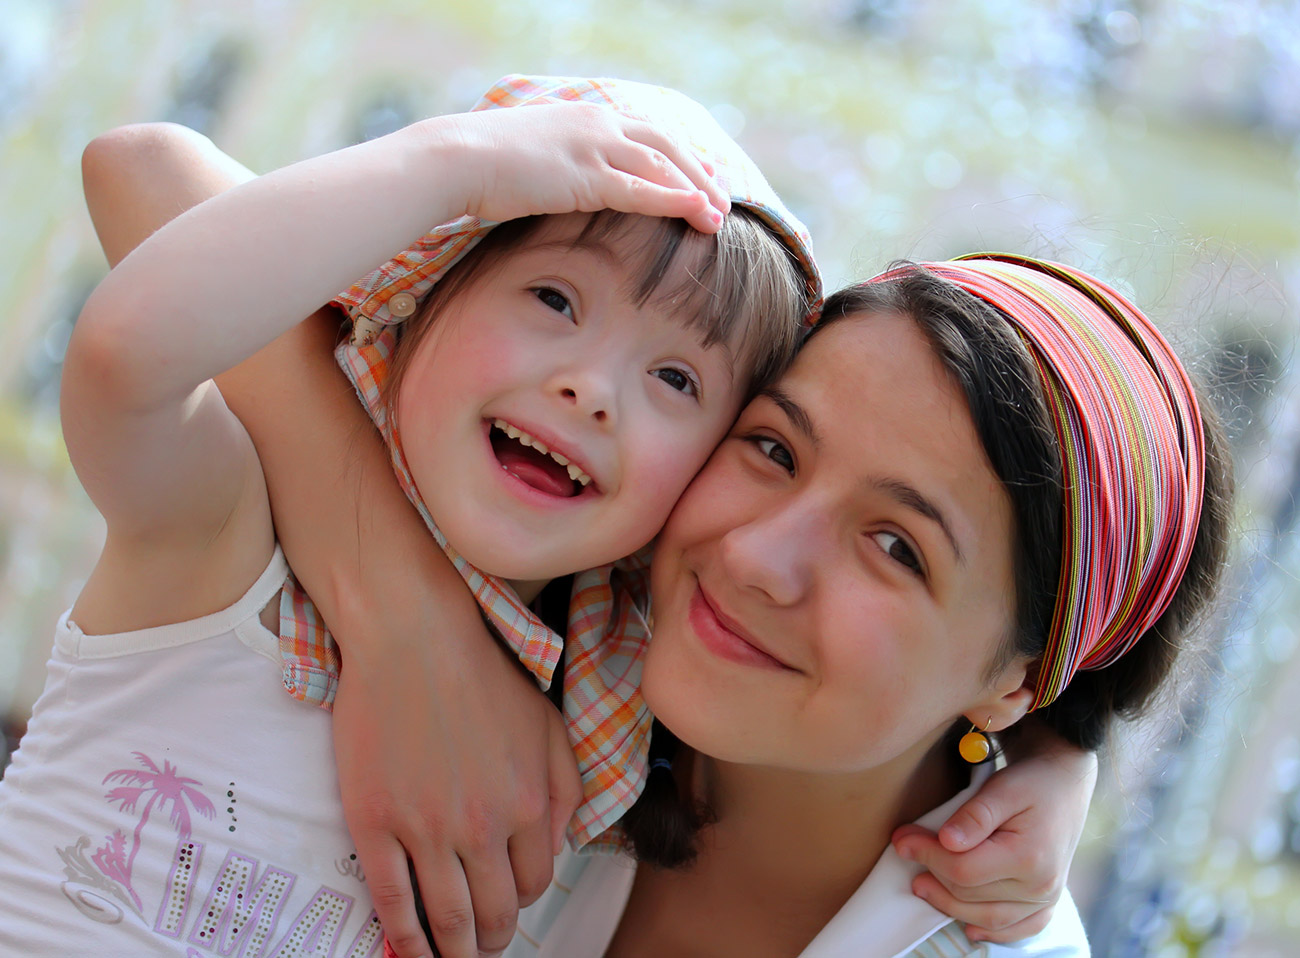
column 163, row 787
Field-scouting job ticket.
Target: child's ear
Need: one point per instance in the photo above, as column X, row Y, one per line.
column 1008, row 700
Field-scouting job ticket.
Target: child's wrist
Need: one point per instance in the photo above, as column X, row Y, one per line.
column 449, row 154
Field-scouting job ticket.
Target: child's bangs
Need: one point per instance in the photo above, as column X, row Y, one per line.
column 740, row 288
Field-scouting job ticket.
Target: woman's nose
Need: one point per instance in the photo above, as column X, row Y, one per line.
column 774, row 554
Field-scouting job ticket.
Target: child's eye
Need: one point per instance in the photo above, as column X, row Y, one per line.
column 678, row 379
column 555, row 300
column 898, row 549
column 775, row 451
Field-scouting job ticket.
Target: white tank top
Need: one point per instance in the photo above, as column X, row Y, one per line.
column 169, row 798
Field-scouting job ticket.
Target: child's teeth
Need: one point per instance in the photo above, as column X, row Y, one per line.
column 576, row 474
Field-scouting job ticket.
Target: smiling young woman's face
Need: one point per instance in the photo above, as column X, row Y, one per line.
column 832, row 590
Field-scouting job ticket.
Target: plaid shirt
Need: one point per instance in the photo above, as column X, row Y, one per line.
column 606, row 718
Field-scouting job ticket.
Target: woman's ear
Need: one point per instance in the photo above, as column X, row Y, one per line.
column 1008, row 700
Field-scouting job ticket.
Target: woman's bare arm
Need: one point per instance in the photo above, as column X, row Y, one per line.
column 447, row 753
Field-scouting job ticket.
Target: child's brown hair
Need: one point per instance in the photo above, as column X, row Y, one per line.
column 743, row 287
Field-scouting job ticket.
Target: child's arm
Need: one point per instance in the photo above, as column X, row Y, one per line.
column 999, row 863
column 447, row 751
column 451, row 696
column 228, row 276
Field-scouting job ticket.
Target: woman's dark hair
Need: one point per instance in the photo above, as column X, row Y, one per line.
column 996, row 373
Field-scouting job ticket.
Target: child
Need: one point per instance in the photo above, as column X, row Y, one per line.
column 585, row 333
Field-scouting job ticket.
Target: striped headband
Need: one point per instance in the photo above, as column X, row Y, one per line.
column 1132, row 450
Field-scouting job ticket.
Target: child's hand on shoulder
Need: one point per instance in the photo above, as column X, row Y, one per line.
column 999, row 863
column 558, row 156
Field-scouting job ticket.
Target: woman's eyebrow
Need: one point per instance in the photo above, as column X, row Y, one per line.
column 904, row 493
column 910, row 497
column 798, row 417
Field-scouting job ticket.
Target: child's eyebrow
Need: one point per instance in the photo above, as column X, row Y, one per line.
column 618, row 261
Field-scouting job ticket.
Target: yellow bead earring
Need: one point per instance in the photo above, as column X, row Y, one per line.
column 974, row 746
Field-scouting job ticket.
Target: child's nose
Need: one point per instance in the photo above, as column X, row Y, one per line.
column 592, row 392
column 596, row 410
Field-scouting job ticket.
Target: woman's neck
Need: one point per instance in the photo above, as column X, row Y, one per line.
column 821, row 833
column 785, row 853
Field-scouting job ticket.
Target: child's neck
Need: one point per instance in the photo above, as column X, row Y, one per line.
column 528, row 590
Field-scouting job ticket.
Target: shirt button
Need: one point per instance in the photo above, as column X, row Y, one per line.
column 401, row 305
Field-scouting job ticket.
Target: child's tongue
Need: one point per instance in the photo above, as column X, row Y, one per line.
column 532, row 467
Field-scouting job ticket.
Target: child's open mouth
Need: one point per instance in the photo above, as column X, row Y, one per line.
column 532, row 463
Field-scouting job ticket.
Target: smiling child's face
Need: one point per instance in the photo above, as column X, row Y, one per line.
column 549, row 422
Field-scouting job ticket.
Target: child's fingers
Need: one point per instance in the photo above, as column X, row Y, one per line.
column 1017, row 932
column 991, row 871
column 964, row 869
column 388, row 878
column 649, row 164
column 654, row 166
column 979, row 817
column 531, row 861
column 994, row 917
column 447, row 904
column 495, row 901
column 698, row 171
column 628, row 193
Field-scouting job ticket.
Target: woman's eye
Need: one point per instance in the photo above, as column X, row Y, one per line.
column 775, row 451
column 555, row 300
column 677, row 379
column 896, row 547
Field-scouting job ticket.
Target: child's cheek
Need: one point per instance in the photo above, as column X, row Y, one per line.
column 665, row 469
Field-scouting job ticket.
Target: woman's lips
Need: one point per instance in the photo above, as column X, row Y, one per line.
column 724, row 638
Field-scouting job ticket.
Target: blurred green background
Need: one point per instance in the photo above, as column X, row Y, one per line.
column 1156, row 143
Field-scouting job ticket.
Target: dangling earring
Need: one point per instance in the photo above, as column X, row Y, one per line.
column 974, row 746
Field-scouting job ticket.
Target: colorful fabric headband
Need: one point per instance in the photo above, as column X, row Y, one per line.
column 1132, row 448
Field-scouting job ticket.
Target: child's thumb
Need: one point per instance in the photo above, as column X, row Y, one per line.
column 974, row 821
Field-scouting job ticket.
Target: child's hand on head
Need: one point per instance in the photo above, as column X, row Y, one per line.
column 999, row 863
column 561, row 156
